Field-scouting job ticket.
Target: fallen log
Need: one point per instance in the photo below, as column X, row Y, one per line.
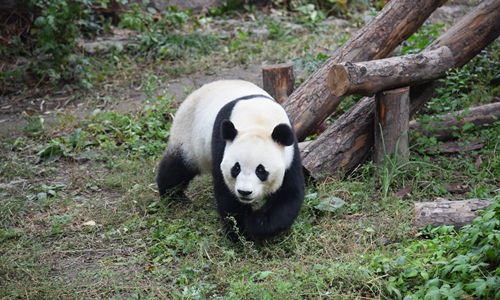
column 459, row 146
column 456, row 213
column 311, row 103
column 479, row 116
column 371, row 77
column 348, row 141
column 278, row 80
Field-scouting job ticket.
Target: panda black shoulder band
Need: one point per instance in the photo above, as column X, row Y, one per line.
column 254, row 96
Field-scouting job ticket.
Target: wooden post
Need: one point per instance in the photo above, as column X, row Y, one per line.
column 392, row 116
column 456, row 213
column 278, row 80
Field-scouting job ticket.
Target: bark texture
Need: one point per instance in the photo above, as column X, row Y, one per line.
column 341, row 147
column 311, row 103
column 278, row 80
column 392, row 115
column 456, row 213
column 371, row 77
column 479, row 116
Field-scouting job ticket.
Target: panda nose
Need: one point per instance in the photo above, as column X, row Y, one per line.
column 244, row 193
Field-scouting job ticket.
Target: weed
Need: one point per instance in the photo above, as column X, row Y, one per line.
column 67, row 146
column 59, row 222
column 391, row 165
column 309, row 62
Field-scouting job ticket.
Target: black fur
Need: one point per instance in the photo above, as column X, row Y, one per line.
column 174, row 174
column 280, row 209
column 228, row 131
column 282, row 134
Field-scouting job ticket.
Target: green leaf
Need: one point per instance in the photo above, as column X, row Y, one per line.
column 433, row 294
column 330, row 204
column 41, row 196
column 400, row 261
column 479, row 285
column 264, row 274
column 424, row 275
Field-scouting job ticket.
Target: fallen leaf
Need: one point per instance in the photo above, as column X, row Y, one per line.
column 89, row 223
column 403, row 192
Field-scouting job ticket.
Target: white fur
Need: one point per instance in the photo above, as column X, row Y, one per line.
column 254, row 120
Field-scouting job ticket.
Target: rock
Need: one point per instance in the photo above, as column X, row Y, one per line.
column 94, row 47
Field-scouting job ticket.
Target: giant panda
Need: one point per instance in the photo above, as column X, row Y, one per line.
column 236, row 131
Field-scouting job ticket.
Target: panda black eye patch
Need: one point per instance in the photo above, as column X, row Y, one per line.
column 261, row 173
column 235, row 170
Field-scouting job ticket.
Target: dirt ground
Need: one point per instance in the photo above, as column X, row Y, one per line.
column 14, row 105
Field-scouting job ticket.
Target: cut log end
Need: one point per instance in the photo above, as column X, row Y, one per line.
column 338, row 80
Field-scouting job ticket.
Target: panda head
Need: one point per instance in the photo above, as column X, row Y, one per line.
column 255, row 160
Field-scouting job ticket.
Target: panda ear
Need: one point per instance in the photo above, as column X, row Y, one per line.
column 228, row 131
column 282, row 134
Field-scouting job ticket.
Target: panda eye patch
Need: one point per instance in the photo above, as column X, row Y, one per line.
column 235, row 170
column 261, row 173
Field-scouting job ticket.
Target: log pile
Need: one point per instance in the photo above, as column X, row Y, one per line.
column 347, row 142
column 312, row 102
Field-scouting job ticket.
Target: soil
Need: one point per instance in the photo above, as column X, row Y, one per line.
column 14, row 106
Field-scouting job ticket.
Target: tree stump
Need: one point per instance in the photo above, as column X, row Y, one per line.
column 456, row 213
column 392, row 116
column 278, row 80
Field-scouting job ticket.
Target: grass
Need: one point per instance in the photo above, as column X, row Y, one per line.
column 88, row 223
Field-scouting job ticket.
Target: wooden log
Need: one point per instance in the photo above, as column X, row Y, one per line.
column 471, row 34
column 348, row 141
column 456, row 213
column 278, row 80
column 479, row 116
column 392, row 109
column 371, row 77
column 341, row 147
column 311, row 103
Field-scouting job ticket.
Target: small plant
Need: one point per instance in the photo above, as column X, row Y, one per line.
column 310, row 62
column 57, row 32
column 448, row 264
column 391, row 165
column 59, row 222
column 311, row 15
column 34, row 125
column 421, row 39
column 143, row 133
column 135, row 19
column 69, row 145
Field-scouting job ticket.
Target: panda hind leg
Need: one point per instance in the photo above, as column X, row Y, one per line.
column 174, row 175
